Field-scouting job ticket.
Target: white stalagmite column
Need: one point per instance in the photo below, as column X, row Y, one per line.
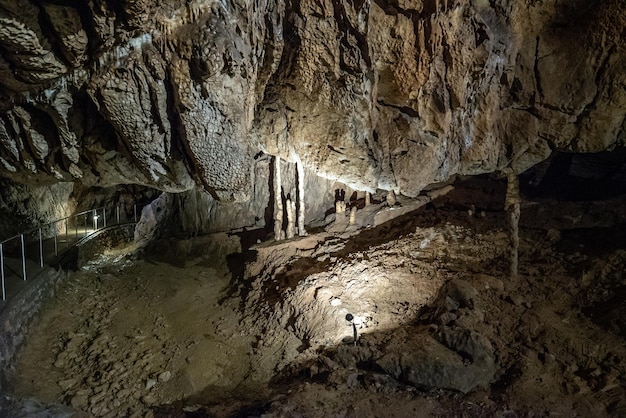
column 340, row 207
column 512, row 207
column 367, row 198
column 278, row 202
column 353, row 215
column 300, row 170
column 291, row 219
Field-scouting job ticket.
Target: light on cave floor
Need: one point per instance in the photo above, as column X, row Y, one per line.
column 350, row 318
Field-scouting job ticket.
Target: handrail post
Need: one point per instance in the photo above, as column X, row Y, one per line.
column 95, row 220
column 4, row 292
column 117, row 213
column 66, row 239
column 23, row 256
column 40, row 249
column 135, row 211
column 104, row 216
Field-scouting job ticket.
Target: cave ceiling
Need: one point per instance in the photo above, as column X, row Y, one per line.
column 386, row 94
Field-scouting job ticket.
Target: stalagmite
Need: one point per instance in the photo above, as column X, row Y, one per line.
column 391, row 198
column 278, row 202
column 300, row 181
column 353, row 215
column 291, row 218
column 367, row 198
column 512, row 207
column 340, row 207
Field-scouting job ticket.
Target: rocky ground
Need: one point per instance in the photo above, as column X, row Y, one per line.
column 193, row 328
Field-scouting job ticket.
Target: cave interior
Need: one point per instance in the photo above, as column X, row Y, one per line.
column 312, row 208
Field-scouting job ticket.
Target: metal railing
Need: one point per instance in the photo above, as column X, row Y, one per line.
column 46, row 243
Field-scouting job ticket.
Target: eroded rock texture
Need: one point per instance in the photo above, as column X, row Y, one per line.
column 386, row 94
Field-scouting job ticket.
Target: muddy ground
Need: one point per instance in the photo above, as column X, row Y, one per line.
column 205, row 328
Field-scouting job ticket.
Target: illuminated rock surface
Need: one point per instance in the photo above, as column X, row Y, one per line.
column 380, row 95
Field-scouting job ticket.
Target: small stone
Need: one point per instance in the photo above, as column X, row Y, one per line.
column 79, row 401
column 165, row 376
column 148, row 399
column 123, row 394
column 101, row 388
column 66, row 384
column 353, row 380
column 84, row 392
column 150, row 383
column 97, row 398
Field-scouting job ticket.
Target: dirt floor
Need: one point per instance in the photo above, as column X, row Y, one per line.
column 204, row 328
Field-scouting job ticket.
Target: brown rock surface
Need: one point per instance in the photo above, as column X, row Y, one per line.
column 379, row 95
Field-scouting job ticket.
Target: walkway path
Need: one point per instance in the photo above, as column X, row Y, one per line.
column 39, row 252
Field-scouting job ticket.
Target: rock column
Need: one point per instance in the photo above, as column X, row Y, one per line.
column 278, row 202
column 340, row 207
column 512, row 207
column 300, row 170
column 291, row 219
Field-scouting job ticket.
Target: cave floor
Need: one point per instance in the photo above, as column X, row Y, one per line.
column 145, row 337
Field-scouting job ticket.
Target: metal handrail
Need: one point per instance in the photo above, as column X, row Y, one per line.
column 30, row 231
column 96, row 213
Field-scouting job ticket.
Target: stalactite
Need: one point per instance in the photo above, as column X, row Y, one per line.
column 291, row 218
column 512, row 207
column 300, row 181
column 278, row 202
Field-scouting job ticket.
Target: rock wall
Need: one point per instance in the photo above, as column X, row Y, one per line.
column 17, row 315
column 384, row 94
column 23, row 206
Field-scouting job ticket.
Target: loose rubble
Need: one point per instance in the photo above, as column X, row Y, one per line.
column 442, row 330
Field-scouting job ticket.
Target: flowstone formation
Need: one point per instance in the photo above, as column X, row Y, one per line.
column 388, row 95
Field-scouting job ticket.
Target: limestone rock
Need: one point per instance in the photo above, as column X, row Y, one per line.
column 377, row 95
column 427, row 364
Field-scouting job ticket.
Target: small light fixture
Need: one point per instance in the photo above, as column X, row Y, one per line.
column 350, row 319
